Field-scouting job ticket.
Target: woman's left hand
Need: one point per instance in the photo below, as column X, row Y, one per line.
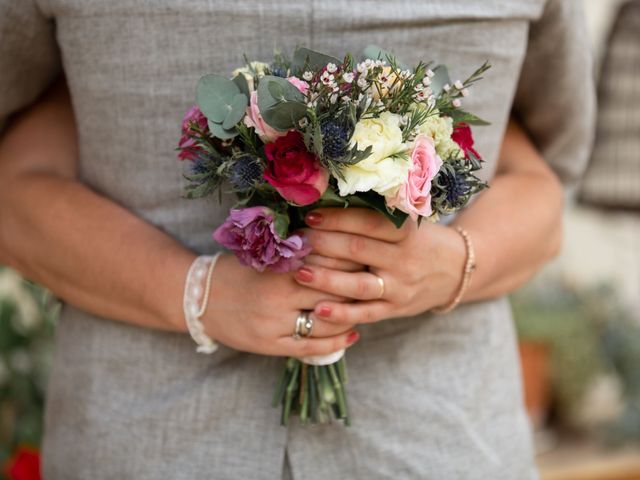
column 420, row 267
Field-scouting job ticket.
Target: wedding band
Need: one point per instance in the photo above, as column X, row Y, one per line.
column 381, row 283
column 301, row 320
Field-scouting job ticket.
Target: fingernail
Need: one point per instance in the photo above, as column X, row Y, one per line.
column 313, row 218
column 304, row 275
column 324, row 311
column 353, row 337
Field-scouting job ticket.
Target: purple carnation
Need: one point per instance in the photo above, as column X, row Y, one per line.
column 251, row 234
column 188, row 145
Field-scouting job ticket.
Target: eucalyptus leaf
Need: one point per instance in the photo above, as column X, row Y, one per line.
column 241, row 82
column 303, row 58
column 462, row 116
column 276, row 90
column 238, row 108
column 377, row 202
column 285, row 115
column 219, row 132
column 440, row 79
column 281, row 224
column 214, row 96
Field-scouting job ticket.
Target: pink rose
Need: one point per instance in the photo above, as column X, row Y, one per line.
column 253, row 119
column 294, row 171
column 414, row 195
column 299, row 84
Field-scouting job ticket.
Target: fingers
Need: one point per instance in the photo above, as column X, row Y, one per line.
column 361, row 221
column 355, row 285
column 355, row 313
column 351, row 247
column 334, row 263
column 315, row 346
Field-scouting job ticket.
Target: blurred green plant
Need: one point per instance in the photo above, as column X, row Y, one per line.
column 589, row 334
column 28, row 316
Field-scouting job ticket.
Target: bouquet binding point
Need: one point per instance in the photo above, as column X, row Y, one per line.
column 289, row 136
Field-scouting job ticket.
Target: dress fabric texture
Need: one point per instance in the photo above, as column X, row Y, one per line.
column 431, row 397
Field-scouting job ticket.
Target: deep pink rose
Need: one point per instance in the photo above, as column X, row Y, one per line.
column 24, row 465
column 299, row 84
column 462, row 136
column 294, row 171
column 253, row 119
column 250, row 233
column 414, row 195
column 188, row 145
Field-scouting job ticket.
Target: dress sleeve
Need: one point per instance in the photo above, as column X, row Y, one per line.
column 29, row 56
column 555, row 97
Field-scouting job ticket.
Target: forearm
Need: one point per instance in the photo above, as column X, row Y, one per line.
column 89, row 251
column 516, row 224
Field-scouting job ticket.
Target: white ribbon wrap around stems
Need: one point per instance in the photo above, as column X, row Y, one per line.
column 321, row 360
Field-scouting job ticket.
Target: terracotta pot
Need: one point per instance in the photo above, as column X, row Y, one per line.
column 534, row 361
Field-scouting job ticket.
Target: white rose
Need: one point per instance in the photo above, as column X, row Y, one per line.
column 378, row 172
column 258, row 67
column 439, row 129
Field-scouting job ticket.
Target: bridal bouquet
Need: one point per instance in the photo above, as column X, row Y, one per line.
column 295, row 134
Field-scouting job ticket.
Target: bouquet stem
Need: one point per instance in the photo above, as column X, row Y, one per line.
column 315, row 393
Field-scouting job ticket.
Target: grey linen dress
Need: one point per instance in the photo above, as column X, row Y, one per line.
column 431, row 397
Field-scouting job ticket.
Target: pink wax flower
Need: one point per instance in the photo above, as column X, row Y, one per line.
column 299, row 84
column 250, row 233
column 294, row 171
column 253, row 119
column 462, row 136
column 188, row 145
column 414, row 195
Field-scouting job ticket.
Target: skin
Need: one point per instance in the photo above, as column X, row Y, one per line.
column 100, row 257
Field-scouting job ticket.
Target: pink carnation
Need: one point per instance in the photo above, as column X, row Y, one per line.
column 188, row 145
column 414, row 196
column 253, row 119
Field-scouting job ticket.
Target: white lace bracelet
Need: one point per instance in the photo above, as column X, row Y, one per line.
column 196, row 299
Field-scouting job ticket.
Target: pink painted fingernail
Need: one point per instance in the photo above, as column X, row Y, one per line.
column 353, row 338
column 324, row 311
column 304, row 275
column 313, row 218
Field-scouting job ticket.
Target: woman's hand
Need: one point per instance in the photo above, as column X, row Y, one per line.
column 421, row 267
column 256, row 312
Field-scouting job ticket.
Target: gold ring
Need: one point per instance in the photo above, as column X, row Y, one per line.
column 381, row 283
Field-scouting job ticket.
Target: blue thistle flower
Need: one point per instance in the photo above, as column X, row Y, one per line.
column 199, row 165
column 278, row 71
column 455, row 186
column 335, row 139
column 245, row 172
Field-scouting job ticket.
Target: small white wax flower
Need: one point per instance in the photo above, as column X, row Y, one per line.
column 362, row 82
column 348, row 77
column 307, row 76
column 368, row 63
column 465, row 92
column 456, row 102
column 304, row 121
column 426, row 81
column 446, row 87
column 419, row 87
column 331, row 67
column 333, row 98
column 427, row 91
column 458, row 85
column 429, row 73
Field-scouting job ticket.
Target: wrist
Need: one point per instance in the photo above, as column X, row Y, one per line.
column 170, row 305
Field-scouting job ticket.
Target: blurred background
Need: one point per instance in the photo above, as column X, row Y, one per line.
column 578, row 321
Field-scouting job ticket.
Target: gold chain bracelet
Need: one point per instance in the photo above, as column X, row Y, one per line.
column 469, row 267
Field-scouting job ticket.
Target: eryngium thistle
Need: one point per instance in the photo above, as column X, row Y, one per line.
column 335, row 139
column 245, row 172
column 453, row 186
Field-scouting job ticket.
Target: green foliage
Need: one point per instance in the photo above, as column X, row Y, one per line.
column 305, row 59
column 27, row 319
column 281, row 104
column 223, row 103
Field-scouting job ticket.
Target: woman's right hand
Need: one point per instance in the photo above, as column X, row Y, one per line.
column 256, row 312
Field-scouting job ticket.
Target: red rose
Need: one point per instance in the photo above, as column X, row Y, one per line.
column 24, row 465
column 462, row 136
column 294, row 171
